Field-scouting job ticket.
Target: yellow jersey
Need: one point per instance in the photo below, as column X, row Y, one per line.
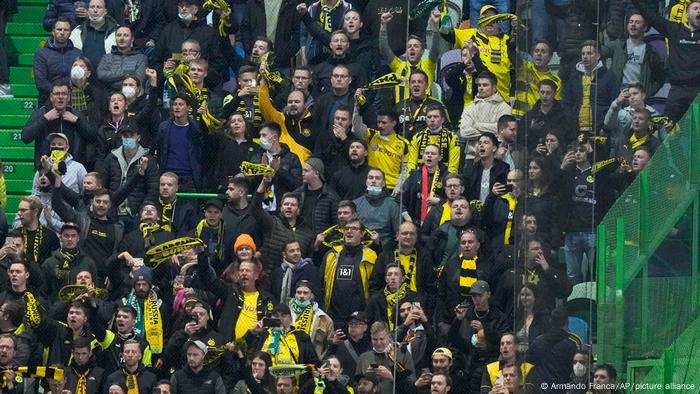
column 386, row 153
column 526, row 94
column 493, row 51
column 404, row 68
column 249, row 313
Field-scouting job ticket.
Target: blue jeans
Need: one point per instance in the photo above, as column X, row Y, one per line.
column 576, row 245
column 540, row 22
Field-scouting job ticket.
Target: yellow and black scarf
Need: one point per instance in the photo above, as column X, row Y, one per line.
column 64, row 266
column 305, row 319
column 132, row 382
column 467, row 273
column 38, row 238
column 147, row 231
column 166, row 217
column 409, row 268
column 81, row 388
column 219, row 235
column 152, row 319
column 392, row 299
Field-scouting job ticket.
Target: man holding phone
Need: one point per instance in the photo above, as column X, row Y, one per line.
column 482, row 173
column 500, row 209
column 277, row 336
column 349, row 343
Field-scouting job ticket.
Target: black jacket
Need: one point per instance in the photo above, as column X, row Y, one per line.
column 184, row 218
column 288, row 175
column 37, row 129
column 286, row 34
column 206, row 381
column 149, row 24
column 94, row 377
column 324, row 211
column 350, row 182
column 277, row 231
column 118, row 172
column 551, row 284
column 556, row 118
column 552, row 354
column 176, row 32
column 241, row 221
column 471, row 173
column 145, row 379
column 412, row 189
column 231, row 298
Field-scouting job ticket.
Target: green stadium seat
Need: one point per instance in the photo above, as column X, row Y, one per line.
column 19, row 170
column 24, row 89
column 13, row 121
column 22, row 74
column 17, row 106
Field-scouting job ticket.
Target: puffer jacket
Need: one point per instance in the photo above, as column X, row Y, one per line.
column 120, row 173
column 277, row 231
column 325, row 209
column 58, row 8
column 52, row 63
column 116, row 64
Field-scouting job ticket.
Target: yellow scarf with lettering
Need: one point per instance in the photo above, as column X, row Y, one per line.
column 305, row 319
column 152, row 320
column 219, row 235
column 392, row 299
column 166, row 216
column 132, row 383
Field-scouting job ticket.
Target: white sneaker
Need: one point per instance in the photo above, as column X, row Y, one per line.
column 5, row 91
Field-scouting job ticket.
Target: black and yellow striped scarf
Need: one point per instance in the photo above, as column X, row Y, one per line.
column 392, row 299
column 467, row 274
column 253, row 114
column 147, row 231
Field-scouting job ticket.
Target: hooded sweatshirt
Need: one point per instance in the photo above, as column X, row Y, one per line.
column 481, row 117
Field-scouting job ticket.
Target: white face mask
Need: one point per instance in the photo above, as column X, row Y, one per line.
column 77, row 73
column 128, row 91
column 97, row 19
column 374, row 190
column 580, row 370
column 265, row 143
column 186, row 17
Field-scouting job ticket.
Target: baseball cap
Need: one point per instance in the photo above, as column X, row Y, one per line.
column 317, row 165
column 68, row 225
column 480, row 287
column 52, row 135
column 214, row 203
column 358, row 316
column 486, row 8
column 199, row 344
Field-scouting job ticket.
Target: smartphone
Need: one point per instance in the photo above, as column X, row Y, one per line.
column 271, row 322
column 425, row 371
column 417, row 305
column 338, row 326
column 177, row 56
column 194, row 319
column 374, row 366
column 499, row 380
column 509, row 188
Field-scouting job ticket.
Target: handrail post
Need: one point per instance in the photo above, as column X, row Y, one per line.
column 694, row 143
column 619, row 310
column 644, row 230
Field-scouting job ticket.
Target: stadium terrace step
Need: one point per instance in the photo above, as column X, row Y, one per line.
column 15, row 170
column 22, row 74
column 13, row 121
column 12, row 139
column 17, row 186
column 24, row 153
column 17, row 106
column 21, row 59
column 24, row 89
column 25, row 44
column 12, row 203
column 25, row 29
column 29, row 13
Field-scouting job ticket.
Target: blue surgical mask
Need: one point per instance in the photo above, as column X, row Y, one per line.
column 129, row 143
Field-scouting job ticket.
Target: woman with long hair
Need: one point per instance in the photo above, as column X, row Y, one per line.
column 257, row 378
column 542, row 198
column 245, row 252
column 530, row 319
